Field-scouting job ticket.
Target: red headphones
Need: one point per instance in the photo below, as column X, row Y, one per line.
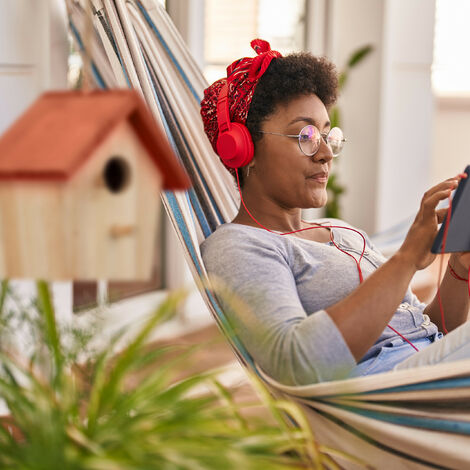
column 234, row 144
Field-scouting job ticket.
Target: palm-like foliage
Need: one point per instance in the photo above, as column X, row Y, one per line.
column 93, row 416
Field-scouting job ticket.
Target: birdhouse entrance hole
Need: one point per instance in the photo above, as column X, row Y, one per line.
column 116, row 174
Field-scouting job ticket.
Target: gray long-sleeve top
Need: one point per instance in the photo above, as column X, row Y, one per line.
column 287, row 283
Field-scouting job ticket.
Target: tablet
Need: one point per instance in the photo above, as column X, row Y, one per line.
column 458, row 235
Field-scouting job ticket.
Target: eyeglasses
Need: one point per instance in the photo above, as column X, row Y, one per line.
column 310, row 138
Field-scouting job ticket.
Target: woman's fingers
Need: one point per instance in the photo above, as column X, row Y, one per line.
column 441, row 213
column 439, row 192
column 421, row 234
column 430, row 202
column 448, row 183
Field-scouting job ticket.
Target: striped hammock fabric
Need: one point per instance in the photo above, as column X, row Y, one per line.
column 411, row 419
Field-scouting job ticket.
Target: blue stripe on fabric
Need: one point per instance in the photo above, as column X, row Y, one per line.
column 456, row 427
column 193, row 212
column 433, row 385
column 76, row 34
column 126, row 76
column 164, row 121
column 370, row 440
column 110, row 36
column 165, row 45
column 189, row 205
column 97, row 76
column 99, row 79
column 183, row 229
column 459, row 382
column 206, row 230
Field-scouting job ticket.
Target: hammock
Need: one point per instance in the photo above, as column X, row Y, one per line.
column 410, row 419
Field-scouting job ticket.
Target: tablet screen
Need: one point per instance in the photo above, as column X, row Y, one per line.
column 458, row 235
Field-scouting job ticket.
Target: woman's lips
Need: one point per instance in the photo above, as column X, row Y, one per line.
column 320, row 177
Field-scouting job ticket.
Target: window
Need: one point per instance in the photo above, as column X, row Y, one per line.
column 451, row 64
column 230, row 26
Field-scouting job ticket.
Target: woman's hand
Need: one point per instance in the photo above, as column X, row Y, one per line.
column 418, row 242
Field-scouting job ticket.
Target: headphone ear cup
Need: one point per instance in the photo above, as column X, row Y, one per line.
column 235, row 147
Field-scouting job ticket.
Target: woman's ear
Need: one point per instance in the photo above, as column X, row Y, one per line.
column 249, row 167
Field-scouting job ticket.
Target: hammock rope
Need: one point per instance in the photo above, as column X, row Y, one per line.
column 408, row 419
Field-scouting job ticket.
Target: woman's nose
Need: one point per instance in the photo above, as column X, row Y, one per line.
column 324, row 153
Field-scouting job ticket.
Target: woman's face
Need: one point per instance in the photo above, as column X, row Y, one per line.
column 287, row 176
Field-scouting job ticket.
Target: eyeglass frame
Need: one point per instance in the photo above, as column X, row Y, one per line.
column 323, row 136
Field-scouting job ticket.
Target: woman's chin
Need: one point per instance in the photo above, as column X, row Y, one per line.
column 315, row 205
column 319, row 201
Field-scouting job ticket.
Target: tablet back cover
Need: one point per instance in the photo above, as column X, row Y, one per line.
column 458, row 235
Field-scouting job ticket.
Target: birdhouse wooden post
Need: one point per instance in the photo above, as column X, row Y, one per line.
column 80, row 179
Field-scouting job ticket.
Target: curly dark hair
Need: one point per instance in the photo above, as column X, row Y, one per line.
column 286, row 79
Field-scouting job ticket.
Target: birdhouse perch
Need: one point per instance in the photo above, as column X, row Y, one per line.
column 80, row 178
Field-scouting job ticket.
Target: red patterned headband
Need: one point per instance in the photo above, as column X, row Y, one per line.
column 242, row 77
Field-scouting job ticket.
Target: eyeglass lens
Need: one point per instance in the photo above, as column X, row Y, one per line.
column 310, row 138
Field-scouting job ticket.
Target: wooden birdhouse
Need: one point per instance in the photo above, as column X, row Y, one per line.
column 80, row 181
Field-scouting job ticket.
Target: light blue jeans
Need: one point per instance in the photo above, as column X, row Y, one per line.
column 436, row 349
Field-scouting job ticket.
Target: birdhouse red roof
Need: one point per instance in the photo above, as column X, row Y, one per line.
column 61, row 130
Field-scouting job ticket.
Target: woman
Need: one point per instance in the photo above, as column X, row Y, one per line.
column 313, row 314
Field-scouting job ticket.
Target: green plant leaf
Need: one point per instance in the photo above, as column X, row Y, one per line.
column 335, row 118
column 108, row 385
column 342, row 79
column 52, row 334
column 359, row 55
column 4, row 287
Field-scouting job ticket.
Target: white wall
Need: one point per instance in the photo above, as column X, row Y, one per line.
column 387, row 107
column 353, row 25
column 188, row 16
column 451, row 145
column 33, row 53
column 33, row 58
column 407, row 108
